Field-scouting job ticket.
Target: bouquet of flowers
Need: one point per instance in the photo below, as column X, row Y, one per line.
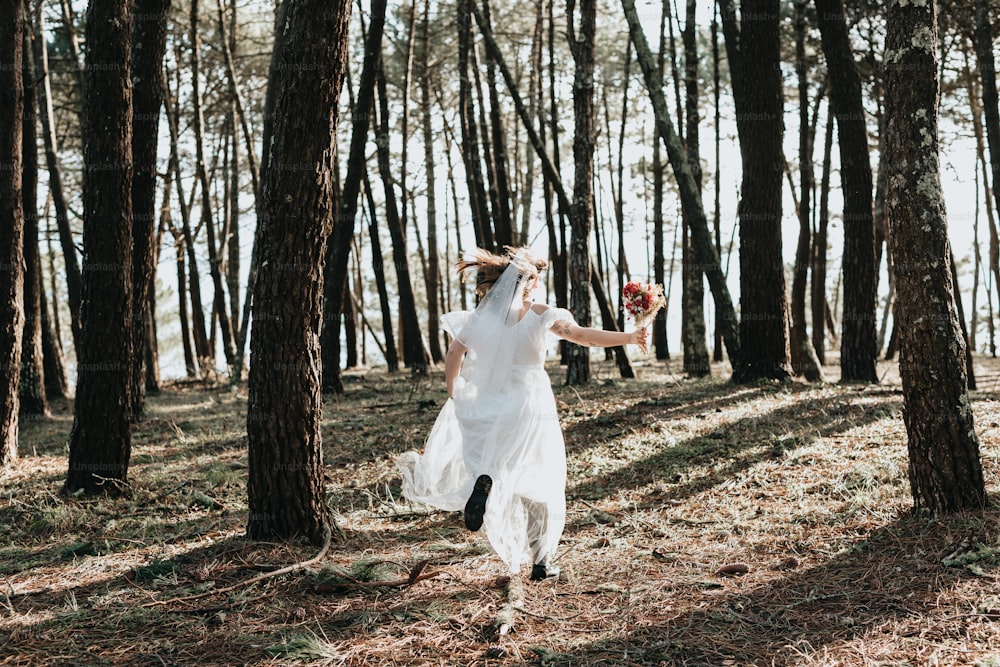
column 643, row 301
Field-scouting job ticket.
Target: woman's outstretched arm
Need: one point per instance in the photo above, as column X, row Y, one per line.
column 594, row 337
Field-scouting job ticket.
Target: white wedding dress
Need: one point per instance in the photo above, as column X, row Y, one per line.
column 508, row 430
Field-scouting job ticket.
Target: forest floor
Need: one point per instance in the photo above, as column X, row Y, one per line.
column 708, row 524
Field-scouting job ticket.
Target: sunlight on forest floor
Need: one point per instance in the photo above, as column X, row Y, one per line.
column 708, row 524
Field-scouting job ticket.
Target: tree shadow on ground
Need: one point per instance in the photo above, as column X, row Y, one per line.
column 888, row 584
column 741, row 443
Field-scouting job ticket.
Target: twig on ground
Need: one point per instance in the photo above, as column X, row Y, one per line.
column 294, row 567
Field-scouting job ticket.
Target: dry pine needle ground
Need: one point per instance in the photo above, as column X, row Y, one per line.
column 709, row 524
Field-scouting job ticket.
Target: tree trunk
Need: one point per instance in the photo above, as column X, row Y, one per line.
column 284, row 410
column 661, row 347
column 696, row 361
column 763, row 311
column 858, row 339
column 503, row 224
column 944, row 465
column 11, row 223
column 433, row 268
column 991, row 105
column 687, row 186
column 72, row 265
column 804, row 360
column 581, row 212
column 414, row 354
column 100, row 442
column 203, row 352
column 478, row 209
column 717, row 181
column 149, row 42
column 619, row 173
column 378, row 268
column 56, row 383
column 343, row 226
column 32, row 381
column 219, row 301
column 818, row 285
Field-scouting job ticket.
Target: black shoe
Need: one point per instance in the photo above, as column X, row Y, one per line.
column 476, row 507
column 540, row 572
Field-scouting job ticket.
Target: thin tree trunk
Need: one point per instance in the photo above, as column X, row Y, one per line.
column 414, row 354
column 696, row 361
column 581, row 212
column 343, row 227
column 622, row 268
column 72, row 265
column 804, row 360
column 479, row 210
column 858, row 339
column 12, row 111
column 203, row 352
column 149, row 42
column 100, row 443
column 687, row 187
column 378, row 267
column 991, row 105
column 818, row 286
column 284, row 410
column 717, row 180
column 993, row 258
column 56, row 383
column 960, row 311
column 661, row 347
column 945, row 470
column 219, row 306
column 433, row 268
column 33, row 400
column 501, row 183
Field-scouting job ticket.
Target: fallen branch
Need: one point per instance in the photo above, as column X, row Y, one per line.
column 416, row 574
column 294, row 567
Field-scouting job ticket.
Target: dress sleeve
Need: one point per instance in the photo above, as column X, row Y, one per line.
column 453, row 322
column 553, row 315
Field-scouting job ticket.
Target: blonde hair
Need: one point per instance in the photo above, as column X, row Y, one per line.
column 488, row 267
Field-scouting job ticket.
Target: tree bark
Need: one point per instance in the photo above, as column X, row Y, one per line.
column 149, row 42
column 944, row 465
column 581, row 212
column 804, row 360
column 284, row 411
column 858, row 339
column 100, row 443
column 34, row 402
column 696, row 361
column 11, row 223
column 763, row 308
